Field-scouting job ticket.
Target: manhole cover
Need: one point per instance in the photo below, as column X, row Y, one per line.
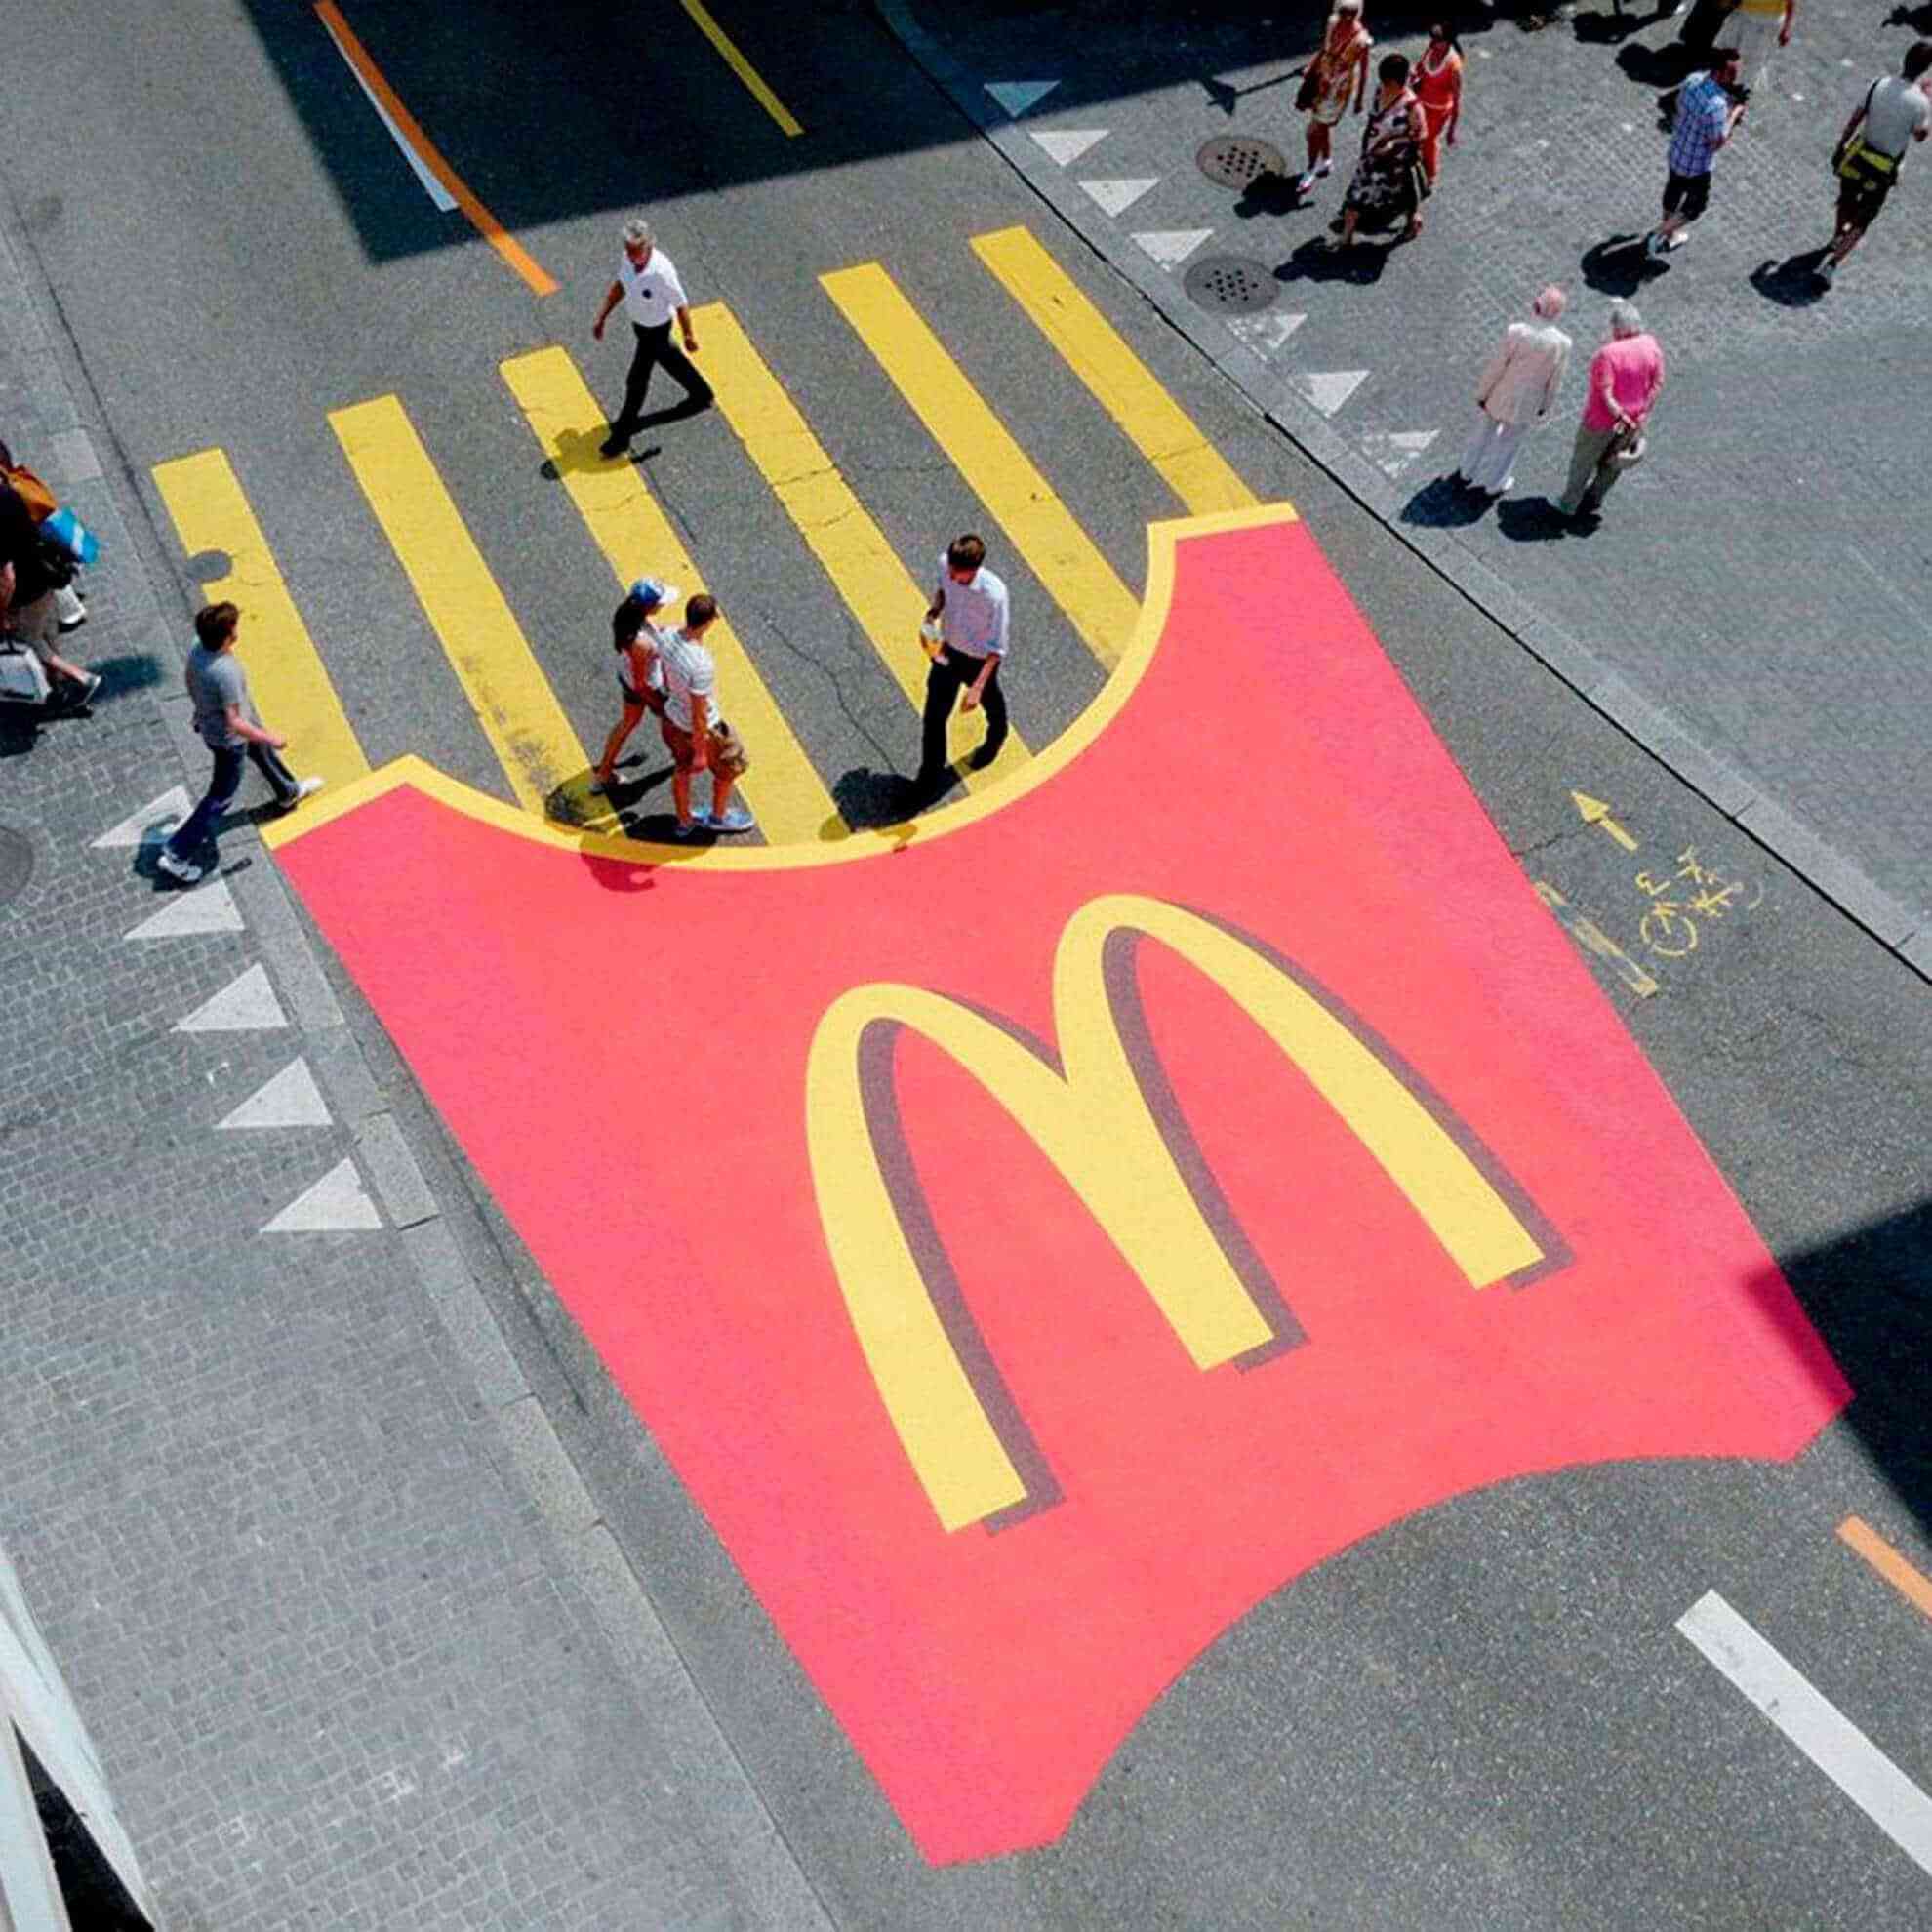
column 1236, row 161
column 1231, row 285
column 16, row 864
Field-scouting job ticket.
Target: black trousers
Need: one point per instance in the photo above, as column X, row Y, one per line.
column 655, row 346
column 944, row 684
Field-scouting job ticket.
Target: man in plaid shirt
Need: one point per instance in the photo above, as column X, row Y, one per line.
column 1708, row 110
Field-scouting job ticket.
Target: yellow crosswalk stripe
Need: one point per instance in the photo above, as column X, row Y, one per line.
column 286, row 676
column 1040, row 527
column 634, row 533
column 1118, row 380
column 487, row 649
column 878, row 589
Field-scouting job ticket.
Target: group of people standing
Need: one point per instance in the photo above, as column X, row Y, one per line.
column 1414, row 117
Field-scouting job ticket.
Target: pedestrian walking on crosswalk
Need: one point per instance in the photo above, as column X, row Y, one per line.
column 965, row 636
column 693, row 726
column 640, row 677
column 653, row 296
column 218, row 689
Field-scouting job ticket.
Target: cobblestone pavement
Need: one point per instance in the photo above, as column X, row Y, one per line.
column 352, row 1643
column 1752, row 606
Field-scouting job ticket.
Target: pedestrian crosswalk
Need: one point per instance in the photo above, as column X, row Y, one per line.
column 528, row 727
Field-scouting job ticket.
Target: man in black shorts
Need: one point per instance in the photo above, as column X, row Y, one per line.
column 1894, row 113
column 1708, row 112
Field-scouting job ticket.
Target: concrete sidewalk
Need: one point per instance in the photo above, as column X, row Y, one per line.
column 351, row 1636
column 1753, row 607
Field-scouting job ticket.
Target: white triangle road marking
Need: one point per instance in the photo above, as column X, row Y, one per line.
column 172, row 805
column 1329, row 389
column 1116, row 197
column 292, row 1099
column 1068, row 144
column 1015, row 96
column 245, row 1005
column 1394, row 451
column 209, row 909
column 1265, row 333
column 336, row 1204
column 1172, row 246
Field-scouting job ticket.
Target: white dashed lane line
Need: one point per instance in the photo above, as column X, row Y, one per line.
column 1813, row 1723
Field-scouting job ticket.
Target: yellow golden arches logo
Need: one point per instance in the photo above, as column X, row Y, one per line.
column 1107, row 1121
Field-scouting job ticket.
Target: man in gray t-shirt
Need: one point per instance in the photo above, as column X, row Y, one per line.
column 218, row 689
column 1894, row 114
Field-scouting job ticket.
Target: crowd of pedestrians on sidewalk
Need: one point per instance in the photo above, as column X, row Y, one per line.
column 1413, row 117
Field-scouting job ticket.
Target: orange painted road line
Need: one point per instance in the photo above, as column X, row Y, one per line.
column 1914, row 1586
column 485, row 223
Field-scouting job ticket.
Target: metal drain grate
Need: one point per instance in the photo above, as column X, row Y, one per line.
column 16, row 863
column 1238, row 161
column 1231, row 285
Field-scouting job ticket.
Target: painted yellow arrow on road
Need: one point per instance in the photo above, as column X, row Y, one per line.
column 1596, row 813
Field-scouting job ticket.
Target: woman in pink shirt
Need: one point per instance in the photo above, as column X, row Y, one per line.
column 1626, row 378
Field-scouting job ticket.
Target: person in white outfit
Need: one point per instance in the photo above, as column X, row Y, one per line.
column 1516, row 393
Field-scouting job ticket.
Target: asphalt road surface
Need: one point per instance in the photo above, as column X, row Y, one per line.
column 1482, row 1716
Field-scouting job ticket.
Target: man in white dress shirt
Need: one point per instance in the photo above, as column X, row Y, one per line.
column 1516, row 394
column 647, row 285
column 967, row 659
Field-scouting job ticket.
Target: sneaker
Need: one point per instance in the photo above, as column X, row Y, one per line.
column 1321, row 168
column 304, row 789
column 1676, row 240
column 89, row 685
column 73, row 623
column 736, row 820
column 614, row 445
column 184, row 869
column 1305, row 183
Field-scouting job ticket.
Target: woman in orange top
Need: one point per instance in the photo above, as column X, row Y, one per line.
column 1439, row 88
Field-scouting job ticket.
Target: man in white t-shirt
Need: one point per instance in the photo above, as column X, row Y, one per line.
column 653, row 296
column 694, row 733
column 1894, row 114
column 972, row 603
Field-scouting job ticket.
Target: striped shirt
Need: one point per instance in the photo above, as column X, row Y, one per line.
column 1703, row 109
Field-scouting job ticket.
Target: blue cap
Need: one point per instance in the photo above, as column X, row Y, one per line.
column 653, row 592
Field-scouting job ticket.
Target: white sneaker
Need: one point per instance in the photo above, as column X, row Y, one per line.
column 1321, row 168
column 304, row 789
column 1305, row 182
column 184, row 869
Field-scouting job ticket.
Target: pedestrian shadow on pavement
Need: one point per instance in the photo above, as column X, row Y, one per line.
column 1315, row 261
column 1445, row 502
column 1607, row 29
column 1919, row 18
column 1269, row 195
column 1791, row 283
column 1664, row 67
column 867, row 800
column 580, row 451
column 1537, row 521
column 120, row 677
column 1619, row 266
